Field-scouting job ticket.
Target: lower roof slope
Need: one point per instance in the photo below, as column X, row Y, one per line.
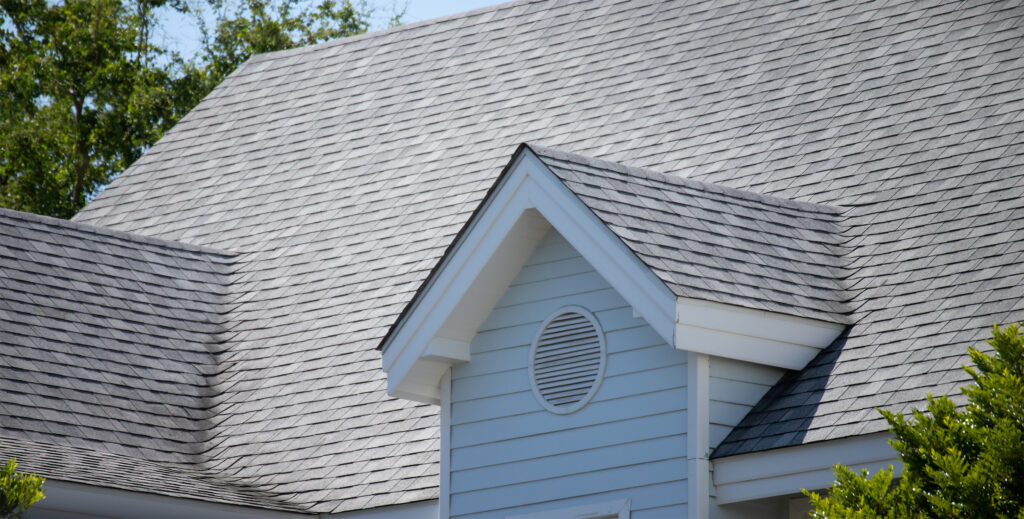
column 109, row 345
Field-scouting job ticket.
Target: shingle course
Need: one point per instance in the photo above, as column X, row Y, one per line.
column 687, row 230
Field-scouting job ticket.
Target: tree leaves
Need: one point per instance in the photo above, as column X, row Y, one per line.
column 18, row 491
column 957, row 463
column 84, row 91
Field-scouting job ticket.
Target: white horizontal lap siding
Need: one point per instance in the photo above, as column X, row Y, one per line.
column 511, row 456
column 735, row 387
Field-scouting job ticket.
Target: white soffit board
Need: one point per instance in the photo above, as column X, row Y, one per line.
column 436, row 332
column 786, row 471
column 750, row 335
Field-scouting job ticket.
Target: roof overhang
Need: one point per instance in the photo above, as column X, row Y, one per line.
column 758, row 336
column 789, row 470
column 435, row 330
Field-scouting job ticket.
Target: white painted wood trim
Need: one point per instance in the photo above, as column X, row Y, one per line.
column 490, row 251
column 618, row 509
column 436, row 332
column 787, row 471
column 609, row 256
column 698, row 403
column 750, row 335
column 446, row 446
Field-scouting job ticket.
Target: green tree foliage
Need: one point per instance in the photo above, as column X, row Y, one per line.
column 84, row 91
column 255, row 26
column 80, row 100
column 958, row 463
column 18, row 491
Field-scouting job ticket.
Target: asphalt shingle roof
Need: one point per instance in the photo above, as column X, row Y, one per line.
column 334, row 176
column 109, row 343
column 714, row 243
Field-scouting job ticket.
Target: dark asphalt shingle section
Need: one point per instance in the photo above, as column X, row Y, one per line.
column 336, row 175
column 110, row 342
column 91, row 464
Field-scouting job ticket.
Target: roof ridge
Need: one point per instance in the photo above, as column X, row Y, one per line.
column 710, row 187
column 267, row 56
column 113, row 233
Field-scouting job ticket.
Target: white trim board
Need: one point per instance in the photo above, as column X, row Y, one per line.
column 435, row 333
column 529, row 200
column 445, row 500
column 789, row 470
column 750, row 335
column 698, row 403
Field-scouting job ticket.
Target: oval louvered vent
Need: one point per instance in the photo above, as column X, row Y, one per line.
column 567, row 360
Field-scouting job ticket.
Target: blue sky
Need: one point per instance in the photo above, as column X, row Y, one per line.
column 180, row 33
column 419, row 10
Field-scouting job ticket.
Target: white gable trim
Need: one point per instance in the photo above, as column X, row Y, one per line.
column 786, row 471
column 647, row 294
column 435, row 333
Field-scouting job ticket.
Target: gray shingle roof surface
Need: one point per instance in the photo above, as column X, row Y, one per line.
column 719, row 244
column 337, row 175
column 109, row 343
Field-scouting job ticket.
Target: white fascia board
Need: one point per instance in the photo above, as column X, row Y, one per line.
column 631, row 278
column 789, row 470
column 64, row 499
column 757, row 336
column 436, row 332
column 414, row 368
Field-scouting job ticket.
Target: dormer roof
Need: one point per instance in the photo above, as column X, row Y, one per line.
column 716, row 243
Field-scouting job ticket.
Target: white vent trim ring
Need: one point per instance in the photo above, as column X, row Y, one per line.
column 567, row 360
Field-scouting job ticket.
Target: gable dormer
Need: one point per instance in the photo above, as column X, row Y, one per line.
column 688, row 300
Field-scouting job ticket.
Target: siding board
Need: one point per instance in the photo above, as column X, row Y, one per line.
column 540, row 422
column 578, row 484
column 554, row 443
column 551, row 270
column 602, row 458
column 735, row 386
column 511, row 456
column 536, row 311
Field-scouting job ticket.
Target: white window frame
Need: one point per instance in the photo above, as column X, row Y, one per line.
column 618, row 509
